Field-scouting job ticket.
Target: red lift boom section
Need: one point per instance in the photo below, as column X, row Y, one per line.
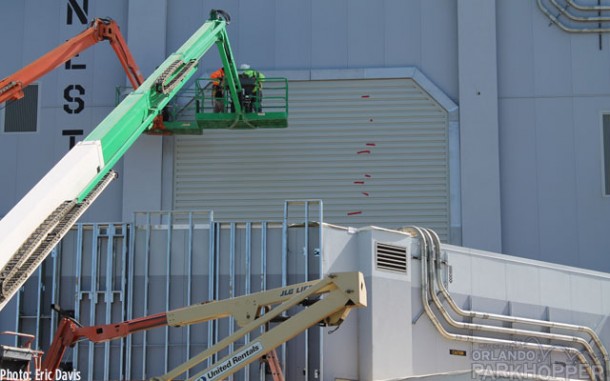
column 69, row 332
column 100, row 29
column 325, row 301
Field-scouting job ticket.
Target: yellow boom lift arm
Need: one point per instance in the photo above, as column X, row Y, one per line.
column 327, row 301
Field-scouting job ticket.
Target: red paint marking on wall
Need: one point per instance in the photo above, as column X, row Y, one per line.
column 354, row 213
column 367, row 175
column 365, row 96
column 371, row 144
column 367, row 151
column 366, row 194
column 359, row 182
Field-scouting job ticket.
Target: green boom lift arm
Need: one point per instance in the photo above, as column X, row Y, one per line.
column 134, row 115
column 30, row 230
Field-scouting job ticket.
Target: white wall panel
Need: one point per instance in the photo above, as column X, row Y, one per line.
column 606, row 296
column 569, row 291
column 483, row 273
column 522, row 283
column 554, row 287
column 479, row 127
column 374, row 150
column 586, row 294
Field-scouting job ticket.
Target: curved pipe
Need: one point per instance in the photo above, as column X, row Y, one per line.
column 588, row 8
column 566, row 28
column 483, row 340
column 488, row 328
column 513, row 319
column 571, row 16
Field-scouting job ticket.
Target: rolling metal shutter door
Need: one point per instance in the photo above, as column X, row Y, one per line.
column 374, row 150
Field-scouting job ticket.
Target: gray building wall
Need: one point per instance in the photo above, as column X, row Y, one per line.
column 479, row 128
column 553, row 87
column 32, row 28
column 530, row 98
column 545, row 172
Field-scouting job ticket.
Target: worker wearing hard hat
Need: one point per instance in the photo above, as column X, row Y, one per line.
column 218, row 89
column 252, row 83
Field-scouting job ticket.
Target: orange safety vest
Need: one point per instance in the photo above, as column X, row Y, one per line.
column 218, row 76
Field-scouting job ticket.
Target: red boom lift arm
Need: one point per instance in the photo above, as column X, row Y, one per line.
column 69, row 332
column 101, row 29
column 11, row 87
column 327, row 301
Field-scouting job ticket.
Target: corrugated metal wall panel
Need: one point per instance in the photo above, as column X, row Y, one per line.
column 376, row 152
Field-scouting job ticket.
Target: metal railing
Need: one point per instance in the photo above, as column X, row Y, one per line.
column 105, row 273
column 200, row 99
column 272, row 97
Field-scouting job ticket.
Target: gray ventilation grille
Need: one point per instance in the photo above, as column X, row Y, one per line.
column 21, row 115
column 390, row 257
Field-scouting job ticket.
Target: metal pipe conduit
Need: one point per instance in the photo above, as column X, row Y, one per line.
column 484, row 340
column 514, row 319
column 427, row 290
column 489, row 328
column 588, row 8
column 555, row 20
column 565, row 12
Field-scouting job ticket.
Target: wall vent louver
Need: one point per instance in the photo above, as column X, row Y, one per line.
column 390, row 257
column 22, row 115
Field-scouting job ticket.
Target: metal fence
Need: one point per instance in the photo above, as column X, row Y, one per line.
column 107, row 273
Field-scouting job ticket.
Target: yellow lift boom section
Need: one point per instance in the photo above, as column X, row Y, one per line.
column 327, row 301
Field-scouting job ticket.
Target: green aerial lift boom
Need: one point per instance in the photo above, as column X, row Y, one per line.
column 135, row 114
column 43, row 216
column 238, row 110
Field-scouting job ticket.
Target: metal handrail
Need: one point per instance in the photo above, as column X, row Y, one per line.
column 200, row 99
column 278, row 89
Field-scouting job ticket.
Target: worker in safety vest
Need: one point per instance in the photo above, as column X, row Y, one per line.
column 218, row 90
column 252, row 83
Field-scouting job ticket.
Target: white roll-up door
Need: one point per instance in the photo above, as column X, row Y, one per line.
column 374, row 150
